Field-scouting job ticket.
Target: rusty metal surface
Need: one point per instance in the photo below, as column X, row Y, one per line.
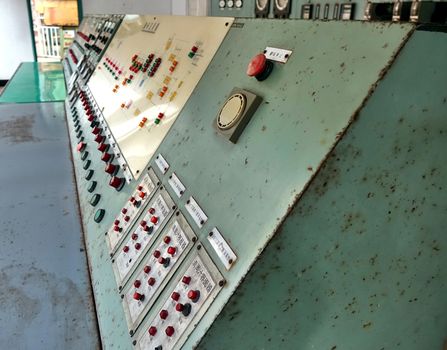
column 360, row 261
column 45, row 296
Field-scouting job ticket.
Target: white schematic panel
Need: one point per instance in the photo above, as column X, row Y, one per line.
column 146, row 76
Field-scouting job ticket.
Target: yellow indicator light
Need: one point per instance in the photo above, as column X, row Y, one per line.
column 173, row 95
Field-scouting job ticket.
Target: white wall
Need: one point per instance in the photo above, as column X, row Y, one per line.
column 141, row 7
column 156, row 7
column 15, row 37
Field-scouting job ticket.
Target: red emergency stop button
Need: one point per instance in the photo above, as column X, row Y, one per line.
column 259, row 67
column 171, row 250
column 256, row 65
column 186, row 279
column 151, row 281
column 169, row 331
column 147, row 269
column 154, row 220
column 164, row 314
column 179, row 307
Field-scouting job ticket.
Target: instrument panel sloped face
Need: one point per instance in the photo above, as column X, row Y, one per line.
column 147, row 74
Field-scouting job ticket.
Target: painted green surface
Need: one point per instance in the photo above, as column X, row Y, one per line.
column 247, row 188
column 360, row 261
column 35, row 82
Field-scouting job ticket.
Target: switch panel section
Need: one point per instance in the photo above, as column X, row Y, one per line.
column 158, row 266
column 144, row 233
column 125, row 218
column 184, row 305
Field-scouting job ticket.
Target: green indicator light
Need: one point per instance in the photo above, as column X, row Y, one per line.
column 84, row 155
column 87, row 164
column 99, row 215
column 91, row 187
column 95, row 199
column 89, row 174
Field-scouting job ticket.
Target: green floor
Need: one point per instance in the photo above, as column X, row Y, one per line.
column 35, row 82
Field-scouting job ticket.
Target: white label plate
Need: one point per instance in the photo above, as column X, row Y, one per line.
column 162, row 164
column 277, row 55
column 196, row 212
column 176, row 185
column 222, row 248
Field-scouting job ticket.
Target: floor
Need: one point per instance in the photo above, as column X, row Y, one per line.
column 45, row 290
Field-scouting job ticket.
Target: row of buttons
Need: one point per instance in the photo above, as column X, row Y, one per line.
column 131, row 208
column 111, row 168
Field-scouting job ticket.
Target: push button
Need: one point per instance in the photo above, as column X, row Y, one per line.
column 259, row 67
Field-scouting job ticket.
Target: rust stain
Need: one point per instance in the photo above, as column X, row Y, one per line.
column 19, row 129
column 367, row 325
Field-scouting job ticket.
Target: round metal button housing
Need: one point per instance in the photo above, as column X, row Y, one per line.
column 231, row 111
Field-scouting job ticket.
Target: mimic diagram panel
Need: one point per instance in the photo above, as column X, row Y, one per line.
column 131, row 209
column 154, row 217
column 146, row 76
column 157, row 267
column 187, row 301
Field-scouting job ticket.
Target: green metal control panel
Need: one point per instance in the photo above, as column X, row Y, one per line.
column 258, row 184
